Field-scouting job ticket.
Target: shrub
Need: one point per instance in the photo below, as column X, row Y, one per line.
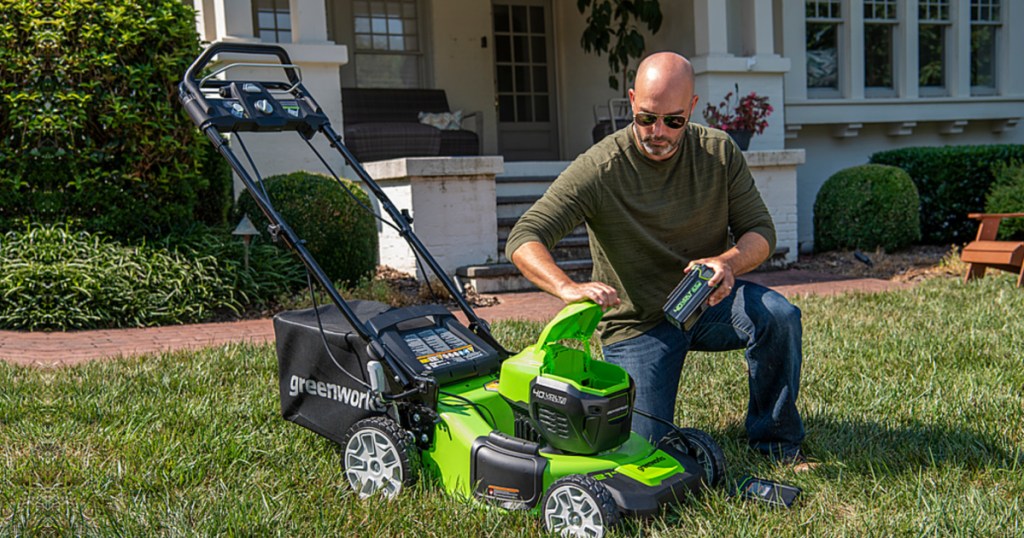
column 92, row 127
column 340, row 234
column 272, row 272
column 952, row 182
column 866, row 207
column 54, row 278
column 1007, row 196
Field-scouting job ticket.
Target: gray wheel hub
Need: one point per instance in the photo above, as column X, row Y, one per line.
column 571, row 511
column 372, row 464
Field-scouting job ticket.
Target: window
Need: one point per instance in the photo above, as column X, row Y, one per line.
column 273, row 21
column 879, row 39
column 520, row 52
column 933, row 18
column 985, row 23
column 387, row 43
column 823, row 26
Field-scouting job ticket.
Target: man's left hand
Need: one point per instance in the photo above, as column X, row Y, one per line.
column 723, row 278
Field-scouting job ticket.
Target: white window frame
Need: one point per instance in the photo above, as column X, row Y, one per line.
column 895, row 25
column 997, row 23
column 842, row 52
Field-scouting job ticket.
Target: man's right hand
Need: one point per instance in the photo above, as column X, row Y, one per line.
column 599, row 292
column 537, row 265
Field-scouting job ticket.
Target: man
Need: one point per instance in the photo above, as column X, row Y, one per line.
column 658, row 197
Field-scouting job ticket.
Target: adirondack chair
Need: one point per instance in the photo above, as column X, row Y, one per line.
column 985, row 251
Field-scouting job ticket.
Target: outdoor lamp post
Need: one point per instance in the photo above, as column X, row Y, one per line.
column 247, row 231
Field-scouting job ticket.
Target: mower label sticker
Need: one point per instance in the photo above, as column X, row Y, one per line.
column 351, row 397
column 437, row 347
column 491, row 386
column 503, row 493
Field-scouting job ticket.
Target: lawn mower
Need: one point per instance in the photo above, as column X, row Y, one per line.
column 410, row 391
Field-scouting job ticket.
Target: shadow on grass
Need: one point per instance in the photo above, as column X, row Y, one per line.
column 865, row 446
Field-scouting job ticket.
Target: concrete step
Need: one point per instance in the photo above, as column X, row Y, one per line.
column 505, row 226
column 522, row 185
column 515, row 205
column 504, row 277
column 571, row 247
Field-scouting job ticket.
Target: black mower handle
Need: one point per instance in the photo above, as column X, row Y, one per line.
column 192, row 84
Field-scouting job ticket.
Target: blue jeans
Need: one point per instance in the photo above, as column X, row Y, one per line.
column 752, row 317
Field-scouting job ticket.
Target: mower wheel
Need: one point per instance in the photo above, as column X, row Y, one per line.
column 579, row 506
column 379, row 457
column 703, row 448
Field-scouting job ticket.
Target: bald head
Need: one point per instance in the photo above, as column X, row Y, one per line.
column 665, row 75
column 663, row 87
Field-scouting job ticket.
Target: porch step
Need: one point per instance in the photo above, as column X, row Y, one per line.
column 504, row 277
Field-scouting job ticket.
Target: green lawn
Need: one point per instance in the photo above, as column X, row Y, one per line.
column 913, row 402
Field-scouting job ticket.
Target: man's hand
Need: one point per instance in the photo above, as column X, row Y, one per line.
column 599, row 292
column 537, row 265
column 723, row 278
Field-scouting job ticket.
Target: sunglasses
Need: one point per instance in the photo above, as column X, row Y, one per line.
column 645, row 119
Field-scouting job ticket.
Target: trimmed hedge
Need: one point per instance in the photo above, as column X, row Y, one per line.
column 952, row 181
column 866, row 207
column 54, row 278
column 1007, row 196
column 340, row 234
column 92, row 128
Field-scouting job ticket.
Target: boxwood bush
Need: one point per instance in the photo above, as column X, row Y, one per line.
column 1007, row 196
column 952, row 182
column 91, row 124
column 866, row 207
column 340, row 234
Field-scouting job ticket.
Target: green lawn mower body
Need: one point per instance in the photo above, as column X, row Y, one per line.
column 556, row 412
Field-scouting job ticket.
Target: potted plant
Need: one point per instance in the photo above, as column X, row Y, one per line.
column 741, row 117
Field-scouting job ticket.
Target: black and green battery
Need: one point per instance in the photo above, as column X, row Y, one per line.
column 690, row 298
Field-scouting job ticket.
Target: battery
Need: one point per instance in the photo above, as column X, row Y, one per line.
column 690, row 298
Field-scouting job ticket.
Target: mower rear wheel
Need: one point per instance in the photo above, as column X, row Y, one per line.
column 379, row 457
column 703, row 448
column 579, row 506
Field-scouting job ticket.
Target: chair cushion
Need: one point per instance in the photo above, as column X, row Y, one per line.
column 457, row 143
column 380, row 141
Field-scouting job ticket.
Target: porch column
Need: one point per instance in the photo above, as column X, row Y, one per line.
column 232, row 19
column 710, row 28
column 309, row 21
column 722, row 61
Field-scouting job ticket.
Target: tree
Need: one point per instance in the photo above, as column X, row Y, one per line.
column 612, row 27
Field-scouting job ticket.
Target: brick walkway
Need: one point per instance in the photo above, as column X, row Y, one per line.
column 66, row 349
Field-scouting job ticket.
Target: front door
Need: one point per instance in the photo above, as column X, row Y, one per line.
column 524, row 81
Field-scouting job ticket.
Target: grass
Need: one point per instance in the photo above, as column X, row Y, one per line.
column 913, row 402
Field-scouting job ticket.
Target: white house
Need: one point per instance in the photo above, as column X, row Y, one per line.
column 847, row 78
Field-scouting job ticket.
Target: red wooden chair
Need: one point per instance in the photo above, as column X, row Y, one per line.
column 985, row 251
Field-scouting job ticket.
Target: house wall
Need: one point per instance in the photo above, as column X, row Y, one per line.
column 463, row 61
column 827, row 154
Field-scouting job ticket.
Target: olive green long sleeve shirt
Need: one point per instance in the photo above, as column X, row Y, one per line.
column 647, row 219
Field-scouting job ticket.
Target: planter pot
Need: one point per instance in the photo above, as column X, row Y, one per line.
column 742, row 138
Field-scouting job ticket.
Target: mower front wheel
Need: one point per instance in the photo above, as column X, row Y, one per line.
column 579, row 506
column 379, row 457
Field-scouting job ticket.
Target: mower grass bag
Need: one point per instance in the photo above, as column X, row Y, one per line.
column 315, row 392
